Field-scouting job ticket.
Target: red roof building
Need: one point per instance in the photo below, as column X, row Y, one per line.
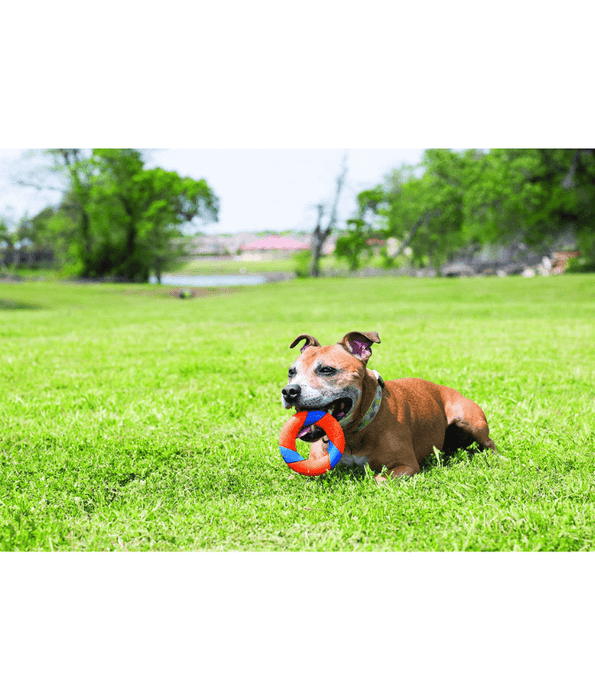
column 272, row 243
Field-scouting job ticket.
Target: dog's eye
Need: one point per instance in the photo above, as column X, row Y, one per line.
column 326, row 370
column 292, row 371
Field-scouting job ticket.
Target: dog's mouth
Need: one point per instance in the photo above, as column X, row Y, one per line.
column 338, row 410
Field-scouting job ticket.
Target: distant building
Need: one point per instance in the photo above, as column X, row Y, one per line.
column 273, row 246
column 274, row 242
column 218, row 244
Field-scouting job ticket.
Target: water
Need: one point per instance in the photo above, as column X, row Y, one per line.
column 209, row 280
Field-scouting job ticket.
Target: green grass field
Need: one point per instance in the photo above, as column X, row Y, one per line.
column 134, row 420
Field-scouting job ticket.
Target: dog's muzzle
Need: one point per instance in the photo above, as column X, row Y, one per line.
column 293, row 398
column 291, row 393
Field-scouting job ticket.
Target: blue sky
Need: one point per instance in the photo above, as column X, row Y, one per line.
column 259, row 188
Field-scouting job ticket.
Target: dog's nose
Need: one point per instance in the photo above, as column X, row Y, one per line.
column 291, row 392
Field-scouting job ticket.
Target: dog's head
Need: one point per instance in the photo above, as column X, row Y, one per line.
column 328, row 378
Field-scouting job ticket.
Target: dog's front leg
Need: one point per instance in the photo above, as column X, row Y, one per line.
column 395, row 470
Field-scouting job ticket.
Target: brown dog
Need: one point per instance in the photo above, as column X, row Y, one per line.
column 393, row 424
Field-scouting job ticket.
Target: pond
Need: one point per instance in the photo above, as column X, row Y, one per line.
column 209, row 280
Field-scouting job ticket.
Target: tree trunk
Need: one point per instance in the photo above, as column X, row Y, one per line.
column 72, row 161
column 130, row 268
column 319, row 236
column 158, row 270
column 316, row 245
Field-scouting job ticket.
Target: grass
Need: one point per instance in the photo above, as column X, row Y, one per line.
column 133, row 420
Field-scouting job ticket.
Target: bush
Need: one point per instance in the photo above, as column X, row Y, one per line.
column 302, row 263
column 582, row 264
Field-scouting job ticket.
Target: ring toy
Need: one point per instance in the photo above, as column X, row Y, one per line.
column 289, row 433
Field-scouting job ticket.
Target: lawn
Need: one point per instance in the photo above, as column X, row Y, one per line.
column 134, row 420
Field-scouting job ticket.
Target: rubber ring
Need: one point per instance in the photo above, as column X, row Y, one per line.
column 320, row 465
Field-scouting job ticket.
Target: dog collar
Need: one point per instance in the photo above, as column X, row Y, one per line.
column 374, row 406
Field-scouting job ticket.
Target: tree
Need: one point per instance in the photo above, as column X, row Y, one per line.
column 147, row 207
column 320, row 234
column 437, row 204
column 50, row 232
column 80, row 171
column 119, row 219
column 66, row 229
column 353, row 244
column 461, row 200
column 536, row 194
column 5, row 241
column 170, row 201
column 422, row 211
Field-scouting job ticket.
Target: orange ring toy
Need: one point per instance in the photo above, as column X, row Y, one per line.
column 289, row 433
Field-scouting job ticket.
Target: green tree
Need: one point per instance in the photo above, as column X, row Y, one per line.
column 170, row 201
column 437, row 205
column 464, row 199
column 352, row 245
column 535, row 194
column 421, row 207
column 126, row 220
column 5, row 241
column 147, row 207
column 76, row 205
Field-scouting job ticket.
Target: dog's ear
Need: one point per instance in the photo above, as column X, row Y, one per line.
column 360, row 344
column 310, row 342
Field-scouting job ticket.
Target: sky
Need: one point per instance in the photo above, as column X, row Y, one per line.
column 259, row 188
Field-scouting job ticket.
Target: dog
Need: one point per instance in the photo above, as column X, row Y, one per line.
column 393, row 424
